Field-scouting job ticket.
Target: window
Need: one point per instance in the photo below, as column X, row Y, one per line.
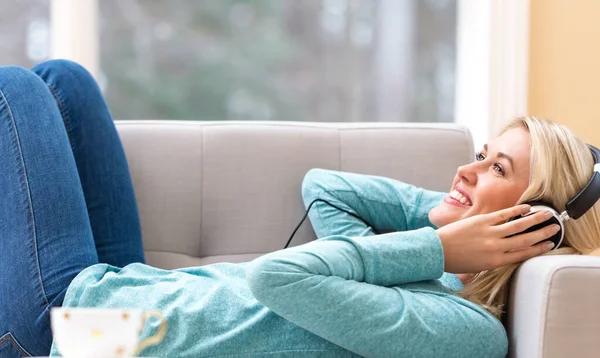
column 24, row 32
column 318, row 60
column 331, row 60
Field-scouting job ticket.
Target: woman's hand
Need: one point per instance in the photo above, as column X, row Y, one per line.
column 480, row 242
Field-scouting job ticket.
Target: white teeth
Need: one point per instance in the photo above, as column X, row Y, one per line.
column 458, row 196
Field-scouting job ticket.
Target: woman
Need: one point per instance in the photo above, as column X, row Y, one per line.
column 71, row 235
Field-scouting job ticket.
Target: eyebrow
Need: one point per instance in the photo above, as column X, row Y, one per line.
column 502, row 155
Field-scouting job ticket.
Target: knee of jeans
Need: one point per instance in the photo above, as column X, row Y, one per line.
column 18, row 77
column 60, row 69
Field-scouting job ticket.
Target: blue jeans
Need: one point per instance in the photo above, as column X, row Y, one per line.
column 66, row 196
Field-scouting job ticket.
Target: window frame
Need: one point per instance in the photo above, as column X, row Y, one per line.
column 74, row 32
column 492, row 65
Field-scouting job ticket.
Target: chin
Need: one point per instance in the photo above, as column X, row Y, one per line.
column 440, row 216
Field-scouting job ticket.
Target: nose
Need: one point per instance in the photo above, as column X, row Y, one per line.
column 468, row 173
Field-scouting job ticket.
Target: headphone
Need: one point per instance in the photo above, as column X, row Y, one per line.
column 575, row 208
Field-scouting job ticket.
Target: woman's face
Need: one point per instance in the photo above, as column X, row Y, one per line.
column 494, row 181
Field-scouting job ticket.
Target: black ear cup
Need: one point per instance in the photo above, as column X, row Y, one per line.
column 555, row 219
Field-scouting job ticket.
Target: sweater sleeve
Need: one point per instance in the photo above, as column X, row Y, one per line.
column 387, row 205
column 376, row 297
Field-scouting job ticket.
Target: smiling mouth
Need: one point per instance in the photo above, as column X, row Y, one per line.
column 456, row 195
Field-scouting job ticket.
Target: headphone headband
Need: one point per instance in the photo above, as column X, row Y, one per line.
column 589, row 195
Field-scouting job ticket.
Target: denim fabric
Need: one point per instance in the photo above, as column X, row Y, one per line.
column 66, row 197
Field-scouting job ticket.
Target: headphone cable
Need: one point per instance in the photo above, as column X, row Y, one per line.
column 328, row 203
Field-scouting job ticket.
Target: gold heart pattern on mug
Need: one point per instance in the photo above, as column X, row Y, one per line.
column 99, row 332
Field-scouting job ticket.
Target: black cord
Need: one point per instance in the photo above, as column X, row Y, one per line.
column 306, row 214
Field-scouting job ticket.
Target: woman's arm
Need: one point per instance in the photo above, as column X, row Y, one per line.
column 386, row 204
column 376, row 297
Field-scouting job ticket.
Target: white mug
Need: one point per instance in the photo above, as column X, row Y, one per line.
column 102, row 332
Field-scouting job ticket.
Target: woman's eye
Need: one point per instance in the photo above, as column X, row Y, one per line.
column 498, row 168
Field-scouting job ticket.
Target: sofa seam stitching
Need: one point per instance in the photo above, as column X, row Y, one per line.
column 202, row 176
column 340, row 148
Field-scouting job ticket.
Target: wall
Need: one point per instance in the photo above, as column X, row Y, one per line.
column 564, row 64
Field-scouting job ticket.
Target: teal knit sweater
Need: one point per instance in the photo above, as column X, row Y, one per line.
column 350, row 293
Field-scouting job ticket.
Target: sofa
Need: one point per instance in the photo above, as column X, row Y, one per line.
column 230, row 191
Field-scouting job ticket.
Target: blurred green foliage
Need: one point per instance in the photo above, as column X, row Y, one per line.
column 310, row 60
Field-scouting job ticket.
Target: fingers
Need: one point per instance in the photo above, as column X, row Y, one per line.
column 502, row 216
column 524, row 223
column 523, row 241
column 525, row 254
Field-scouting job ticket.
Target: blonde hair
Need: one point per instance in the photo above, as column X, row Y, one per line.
column 560, row 166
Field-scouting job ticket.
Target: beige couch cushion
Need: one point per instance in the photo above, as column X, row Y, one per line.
column 230, row 191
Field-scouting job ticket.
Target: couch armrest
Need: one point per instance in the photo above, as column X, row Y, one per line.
column 554, row 308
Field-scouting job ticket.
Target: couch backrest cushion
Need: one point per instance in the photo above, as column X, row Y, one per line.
column 230, row 191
